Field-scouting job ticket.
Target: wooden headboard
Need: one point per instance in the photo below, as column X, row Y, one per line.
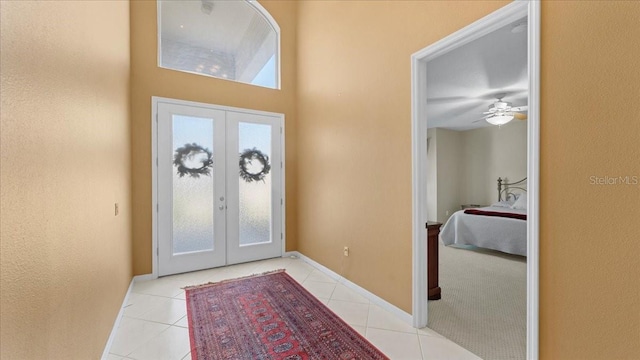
column 505, row 190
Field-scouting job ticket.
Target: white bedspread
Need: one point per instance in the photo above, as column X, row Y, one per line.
column 490, row 232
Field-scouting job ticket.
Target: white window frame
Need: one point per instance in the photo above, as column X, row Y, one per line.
column 262, row 11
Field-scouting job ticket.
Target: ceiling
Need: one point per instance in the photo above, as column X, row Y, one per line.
column 223, row 29
column 462, row 83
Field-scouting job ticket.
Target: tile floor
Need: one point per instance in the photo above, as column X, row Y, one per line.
column 154, row 324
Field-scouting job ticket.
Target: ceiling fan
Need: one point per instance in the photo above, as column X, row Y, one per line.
column 501, row 112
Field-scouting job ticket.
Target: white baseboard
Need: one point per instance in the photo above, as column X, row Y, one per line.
column 145, row 277
column 401, row 314
column 116, row 323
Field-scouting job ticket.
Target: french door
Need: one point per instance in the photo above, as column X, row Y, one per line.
column 219, row 186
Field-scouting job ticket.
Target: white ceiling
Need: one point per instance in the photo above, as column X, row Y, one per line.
column 222, row 30
column 462, row 83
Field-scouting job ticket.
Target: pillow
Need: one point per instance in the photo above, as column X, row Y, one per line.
column 521, row 203
column 503, row 204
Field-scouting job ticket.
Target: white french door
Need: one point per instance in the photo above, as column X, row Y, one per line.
column 219, row 186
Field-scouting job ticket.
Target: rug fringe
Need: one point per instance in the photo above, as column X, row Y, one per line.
column 191, row 287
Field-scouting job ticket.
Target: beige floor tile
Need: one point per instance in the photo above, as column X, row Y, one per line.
column 139, row 304
column 352, row 313
column 184, row 322
column 160, row 287
column 319, row 289
column 167, row 312
column 434, row 347
column 382, row 319
column 343, row 293
column 396, row 345
column 133, row 333
column 171, row 344
column 319, row 276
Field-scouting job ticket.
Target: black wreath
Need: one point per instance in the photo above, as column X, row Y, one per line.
column 247, row 157
column 189, row 151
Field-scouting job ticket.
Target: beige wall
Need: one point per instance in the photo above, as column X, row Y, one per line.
column 589, row 234
column 354, row 134
column 65, row 160
column 149, row 80
column 489, row 153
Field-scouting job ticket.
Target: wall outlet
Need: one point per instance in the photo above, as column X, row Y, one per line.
column 345, row 251
column 116, row 209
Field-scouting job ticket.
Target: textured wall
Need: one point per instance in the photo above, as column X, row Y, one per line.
column 149, row 80
column 590, row 234
column 65, row 160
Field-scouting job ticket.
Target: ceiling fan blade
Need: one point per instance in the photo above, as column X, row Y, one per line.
column 520, row 116
column 519, row 108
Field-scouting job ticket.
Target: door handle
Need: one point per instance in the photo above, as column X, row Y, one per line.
column 221, row 207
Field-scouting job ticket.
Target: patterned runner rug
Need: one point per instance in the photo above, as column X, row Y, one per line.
column 268, row 317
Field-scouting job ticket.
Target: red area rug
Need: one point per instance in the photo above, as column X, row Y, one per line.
column 268, row 317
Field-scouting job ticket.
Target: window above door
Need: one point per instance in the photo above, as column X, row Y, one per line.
column 232, row 40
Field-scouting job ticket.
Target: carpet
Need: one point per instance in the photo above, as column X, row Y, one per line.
column 483, row 305
column 268, row 316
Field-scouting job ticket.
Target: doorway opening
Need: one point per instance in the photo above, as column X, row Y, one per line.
column 420, row 133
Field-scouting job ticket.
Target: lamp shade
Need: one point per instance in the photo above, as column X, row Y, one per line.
column 499, row 119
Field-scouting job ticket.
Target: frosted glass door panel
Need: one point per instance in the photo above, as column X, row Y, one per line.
column 193, row 198
column 254, row 193
column 191, row 217
column 254, row 186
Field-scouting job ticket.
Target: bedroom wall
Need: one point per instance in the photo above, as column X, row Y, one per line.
column 65, row 160
column 450, row 172
column 432, row 175
column 149, row 80
column 355, row 134
column 489, row 153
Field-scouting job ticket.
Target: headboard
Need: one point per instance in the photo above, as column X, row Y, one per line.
column 505, row 190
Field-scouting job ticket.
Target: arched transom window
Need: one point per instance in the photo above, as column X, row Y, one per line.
column 234, row 40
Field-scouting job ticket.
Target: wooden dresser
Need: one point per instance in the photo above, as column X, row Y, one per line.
column 433, row 230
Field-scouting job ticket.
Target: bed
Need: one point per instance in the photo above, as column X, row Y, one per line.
column 501, row 226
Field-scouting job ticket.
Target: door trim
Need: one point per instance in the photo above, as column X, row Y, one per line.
column 489, row 23
column 154, row 168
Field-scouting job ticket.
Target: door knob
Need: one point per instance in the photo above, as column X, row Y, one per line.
column 221, row 207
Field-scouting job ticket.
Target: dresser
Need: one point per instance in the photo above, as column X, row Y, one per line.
column 433, row 230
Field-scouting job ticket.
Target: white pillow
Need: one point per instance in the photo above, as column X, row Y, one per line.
column 521, row 203
column 503, row 204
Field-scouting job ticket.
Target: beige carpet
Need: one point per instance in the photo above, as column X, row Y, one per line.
column 483, row 305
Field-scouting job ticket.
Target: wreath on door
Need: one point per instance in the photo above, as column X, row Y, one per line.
column 247, row 157
column 193, row 154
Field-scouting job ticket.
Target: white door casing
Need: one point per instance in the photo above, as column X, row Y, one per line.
column 507, row 14
column 243, row 217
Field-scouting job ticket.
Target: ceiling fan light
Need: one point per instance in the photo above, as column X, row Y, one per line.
column 500, row 119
